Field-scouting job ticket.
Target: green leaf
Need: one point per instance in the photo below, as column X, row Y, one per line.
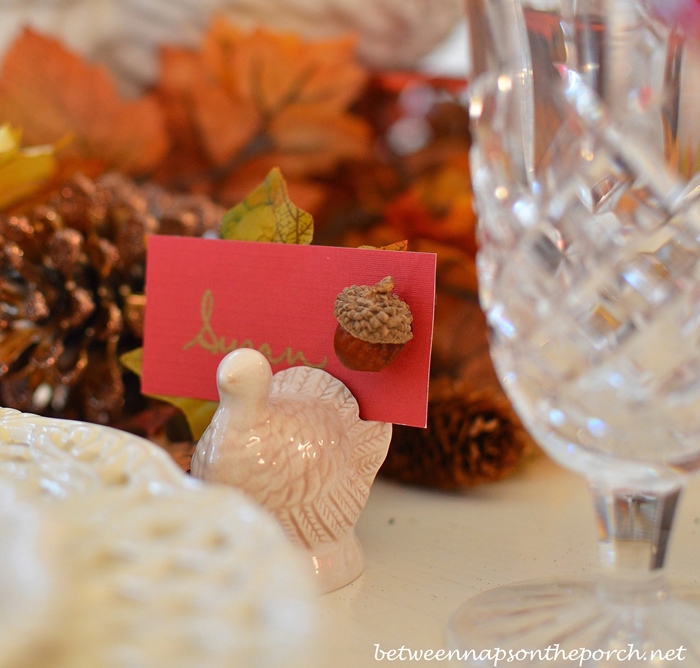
column 197, row 411
column 267, row 214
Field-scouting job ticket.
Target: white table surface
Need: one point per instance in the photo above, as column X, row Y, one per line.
column 427, row 552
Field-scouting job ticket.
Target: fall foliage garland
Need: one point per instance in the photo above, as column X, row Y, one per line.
column 374, row 156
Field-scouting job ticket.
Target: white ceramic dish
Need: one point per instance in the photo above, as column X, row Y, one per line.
column 126, row 561
column 62, row 457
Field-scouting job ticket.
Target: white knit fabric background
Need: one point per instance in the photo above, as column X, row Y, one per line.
column 124, row 34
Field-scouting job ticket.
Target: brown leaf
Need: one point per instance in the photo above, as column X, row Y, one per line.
column 52, row 94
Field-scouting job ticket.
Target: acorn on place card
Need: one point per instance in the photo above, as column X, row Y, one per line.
column 374, row 325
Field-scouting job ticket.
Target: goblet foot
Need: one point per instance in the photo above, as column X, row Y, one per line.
column 593, row 623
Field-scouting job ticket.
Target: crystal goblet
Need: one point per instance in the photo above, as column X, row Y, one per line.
column 583, row 166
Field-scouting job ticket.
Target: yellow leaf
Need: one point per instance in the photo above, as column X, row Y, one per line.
column 22, row 170
column 9, row 143
column 197, row 411
column 267, row 214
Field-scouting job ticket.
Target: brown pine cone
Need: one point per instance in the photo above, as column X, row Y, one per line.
column 71, row 278
column 473, row 436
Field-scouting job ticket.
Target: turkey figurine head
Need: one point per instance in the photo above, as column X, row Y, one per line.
column 244, row 379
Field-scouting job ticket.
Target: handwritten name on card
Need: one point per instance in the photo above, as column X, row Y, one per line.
column 206, row 297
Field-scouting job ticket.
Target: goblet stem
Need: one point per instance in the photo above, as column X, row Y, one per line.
column 633, row 532
column 634, row 529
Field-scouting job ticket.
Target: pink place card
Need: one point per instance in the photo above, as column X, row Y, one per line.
column 206, row 297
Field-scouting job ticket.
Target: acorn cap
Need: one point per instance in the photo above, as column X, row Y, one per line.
column 374, row 314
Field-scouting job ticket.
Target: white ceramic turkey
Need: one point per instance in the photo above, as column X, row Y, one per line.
column 295, row 443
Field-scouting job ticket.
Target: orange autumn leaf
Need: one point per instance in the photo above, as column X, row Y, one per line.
column 305, row 193
column 179, row 68
column 311, row 141
column 438, row 206
column 226, row 124
column 54, row 94
column 243, row 95
column 396, row 246
column 276, row 71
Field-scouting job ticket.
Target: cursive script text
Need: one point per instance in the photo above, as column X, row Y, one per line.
column 207, row 339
